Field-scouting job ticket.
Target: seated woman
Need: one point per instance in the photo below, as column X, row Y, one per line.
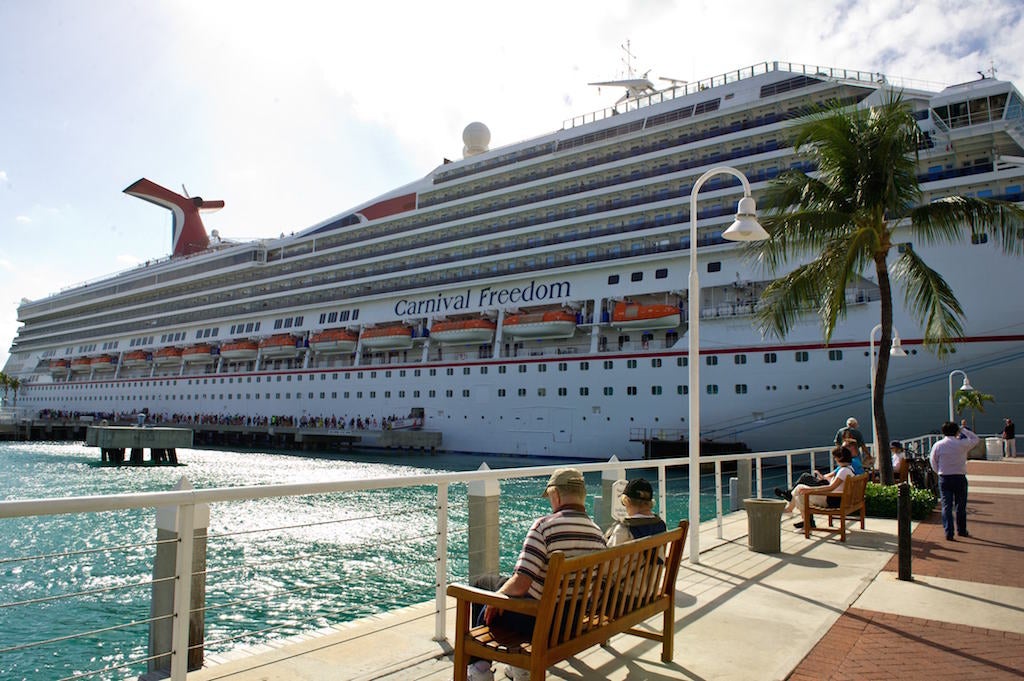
column 835, row 480
column 899, row 463
column 850, row 444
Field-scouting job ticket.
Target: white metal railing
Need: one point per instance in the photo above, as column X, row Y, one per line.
column 449, row 522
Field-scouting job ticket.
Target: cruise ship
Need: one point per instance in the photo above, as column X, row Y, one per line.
column 530, row 299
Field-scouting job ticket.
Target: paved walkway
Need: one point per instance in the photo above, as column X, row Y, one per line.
column 818, row 610
column 964, row 622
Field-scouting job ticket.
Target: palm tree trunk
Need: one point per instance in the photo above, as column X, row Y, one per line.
column 883, row 461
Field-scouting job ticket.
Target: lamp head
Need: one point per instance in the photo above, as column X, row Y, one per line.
column 967, row 387
column 746, row 227
column 896, row 350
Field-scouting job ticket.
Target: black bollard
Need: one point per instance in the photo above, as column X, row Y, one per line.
column 903, row 532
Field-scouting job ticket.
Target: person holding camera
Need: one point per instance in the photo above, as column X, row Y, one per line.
column 949, row 459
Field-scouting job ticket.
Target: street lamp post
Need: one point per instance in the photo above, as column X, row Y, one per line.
column 895, row 350
column 744, row 228
column 966, row 387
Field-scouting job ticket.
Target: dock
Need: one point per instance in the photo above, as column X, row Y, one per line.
column 162, row 444
column 819, row 609
column 304, row 438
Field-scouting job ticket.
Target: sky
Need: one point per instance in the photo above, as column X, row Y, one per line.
column 293, row 112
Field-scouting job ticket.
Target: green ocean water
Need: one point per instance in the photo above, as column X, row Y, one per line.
column 276, row 567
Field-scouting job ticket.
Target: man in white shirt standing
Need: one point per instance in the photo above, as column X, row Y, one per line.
column 949, row 459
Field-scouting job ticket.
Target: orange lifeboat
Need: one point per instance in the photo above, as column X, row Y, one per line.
column 197, row 354
column 334, row 340
column 59, row 367
column 550, row 324
column 135, row 358
column 81, row 365
column 463, row 331
column 279, row 345
column 167, row 356
column 636, row 316
column 239, row 350
column 388, row 337
column 103, row 363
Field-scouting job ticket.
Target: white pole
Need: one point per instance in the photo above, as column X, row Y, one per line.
column 693, row 330
column 952, row 413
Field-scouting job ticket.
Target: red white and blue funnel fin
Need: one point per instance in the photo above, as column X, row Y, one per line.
column 188, row 235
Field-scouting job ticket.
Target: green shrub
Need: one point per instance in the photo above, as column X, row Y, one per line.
column 881, row 500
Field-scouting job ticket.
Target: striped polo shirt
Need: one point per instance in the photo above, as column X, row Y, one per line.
column 569, row 530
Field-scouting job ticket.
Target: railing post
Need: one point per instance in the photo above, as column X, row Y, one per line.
column 442, row 562
column 483, row 539
column 176, row 642
column 604, row 504
column 718, row 497
column 662, row 491
column 182, row 592
column 742, row 480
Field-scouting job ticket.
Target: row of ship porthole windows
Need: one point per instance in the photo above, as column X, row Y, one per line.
column 584, row 391
column 656, row 362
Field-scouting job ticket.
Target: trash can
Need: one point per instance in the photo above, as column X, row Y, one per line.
column 994, row 448
column 764, row 524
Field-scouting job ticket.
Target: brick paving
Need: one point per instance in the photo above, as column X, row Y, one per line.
column 868, row 645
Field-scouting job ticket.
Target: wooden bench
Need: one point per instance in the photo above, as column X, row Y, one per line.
column 851, row 499
column 586, row 600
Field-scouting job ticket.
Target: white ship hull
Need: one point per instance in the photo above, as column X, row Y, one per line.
column 583, row 228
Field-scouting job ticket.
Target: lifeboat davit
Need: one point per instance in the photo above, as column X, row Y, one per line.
column 59, row 367
column 239, row 350
column 197, row 354
column 463, row 331
column 636, row 316
column 550, row 324
column 167, row 356
column 334, row 340
column 394, row 337
column 135, row 358
column 279, row 345
column 81, row 365
column 103, row 363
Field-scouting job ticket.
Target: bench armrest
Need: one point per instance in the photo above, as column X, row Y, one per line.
column 526, row 606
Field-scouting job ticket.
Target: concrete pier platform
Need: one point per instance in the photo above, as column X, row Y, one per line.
column 816, row 610
column 162, row 443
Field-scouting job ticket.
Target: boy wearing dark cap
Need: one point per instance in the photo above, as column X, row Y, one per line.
column 640, row 520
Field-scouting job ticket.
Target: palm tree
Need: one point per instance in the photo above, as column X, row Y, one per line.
column 843, row 221
column 14, row 383
column 973, row 400
column 5, row 383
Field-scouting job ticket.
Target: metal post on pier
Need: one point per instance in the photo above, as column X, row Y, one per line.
column 903, row 533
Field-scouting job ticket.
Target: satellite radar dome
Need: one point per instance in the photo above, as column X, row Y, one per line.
column 476, row 137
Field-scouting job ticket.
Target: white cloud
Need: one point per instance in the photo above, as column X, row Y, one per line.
column 3, row 177
column 127, row 259
column 23, row 219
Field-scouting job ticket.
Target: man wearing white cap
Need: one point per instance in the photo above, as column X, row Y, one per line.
column 568, row 529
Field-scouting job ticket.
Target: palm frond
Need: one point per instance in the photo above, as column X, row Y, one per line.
column 930, row 299
column 953, row 219
column 787, row 299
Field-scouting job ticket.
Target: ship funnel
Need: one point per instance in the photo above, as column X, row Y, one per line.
column 188, row 235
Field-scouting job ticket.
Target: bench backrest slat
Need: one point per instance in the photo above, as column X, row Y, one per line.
column 595, row 589
column 853, row 490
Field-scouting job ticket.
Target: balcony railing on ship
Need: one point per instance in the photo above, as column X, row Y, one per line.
column 283, row 559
